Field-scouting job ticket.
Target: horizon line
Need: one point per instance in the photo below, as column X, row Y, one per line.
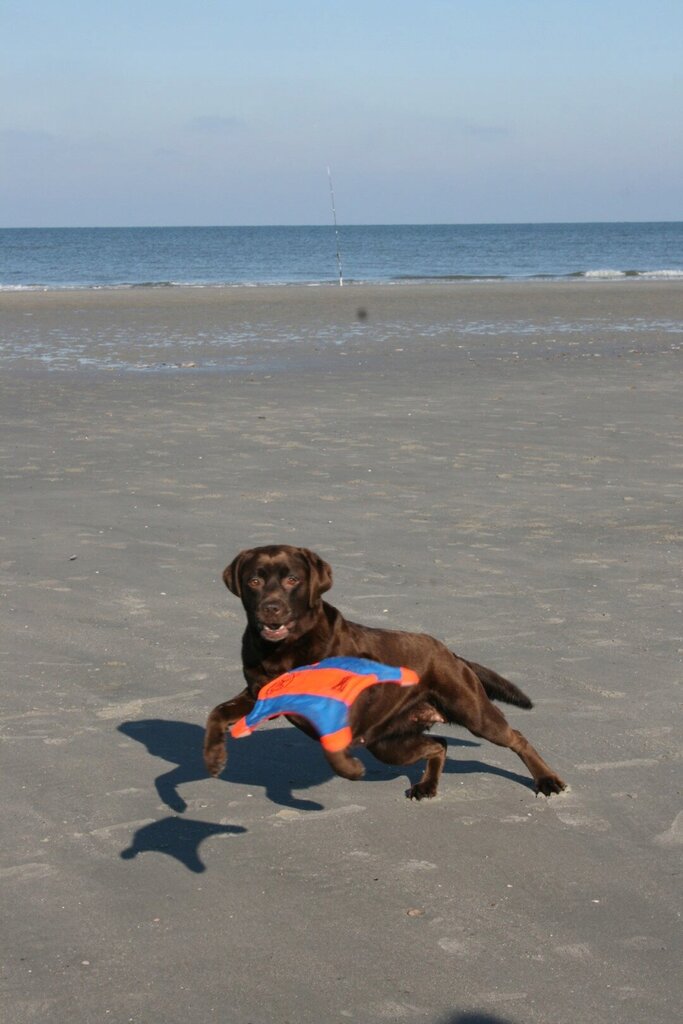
column 348, row 224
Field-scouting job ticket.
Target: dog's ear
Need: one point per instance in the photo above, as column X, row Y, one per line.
column 319, row 578
column 232, row 573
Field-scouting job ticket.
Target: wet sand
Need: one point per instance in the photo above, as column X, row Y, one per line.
column 304, row 327
column 499, row 465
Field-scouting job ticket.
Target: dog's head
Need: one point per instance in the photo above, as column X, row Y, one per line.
column 281, row 588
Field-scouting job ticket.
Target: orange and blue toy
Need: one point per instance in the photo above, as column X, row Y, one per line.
column 323, row 694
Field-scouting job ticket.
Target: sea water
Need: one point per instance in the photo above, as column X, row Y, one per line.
column 55, row 258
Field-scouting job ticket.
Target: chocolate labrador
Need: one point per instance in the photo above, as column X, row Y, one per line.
column 289, row 625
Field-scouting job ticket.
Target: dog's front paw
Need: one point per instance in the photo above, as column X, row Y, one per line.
column 215, row 758
column 549, row 784
column 355, row 769
column 422, row 791
column 348, row 767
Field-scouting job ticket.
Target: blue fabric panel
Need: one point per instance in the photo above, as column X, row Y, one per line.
column 325, row 714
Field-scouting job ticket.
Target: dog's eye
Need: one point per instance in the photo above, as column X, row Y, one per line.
column 255, row 582
column 292, row 580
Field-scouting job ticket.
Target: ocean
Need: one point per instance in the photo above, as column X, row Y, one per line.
column 59, row 258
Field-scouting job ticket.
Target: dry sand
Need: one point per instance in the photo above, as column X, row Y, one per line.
column 499, row 465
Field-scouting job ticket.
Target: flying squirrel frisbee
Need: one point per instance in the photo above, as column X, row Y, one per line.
column 322, row 693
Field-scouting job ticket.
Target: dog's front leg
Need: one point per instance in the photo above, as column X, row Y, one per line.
column 218, row 723
column 343, row 764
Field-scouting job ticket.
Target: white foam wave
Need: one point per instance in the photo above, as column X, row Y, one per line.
column 23, row 288
column 664, row 274
column 604, row 274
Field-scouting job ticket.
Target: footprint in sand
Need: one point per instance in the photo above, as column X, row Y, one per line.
column 570, row 812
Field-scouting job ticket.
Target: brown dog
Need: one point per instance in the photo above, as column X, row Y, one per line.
column 289, row 625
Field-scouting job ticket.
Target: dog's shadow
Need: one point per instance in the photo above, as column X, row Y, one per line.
column 275, row 760
column 179, row 838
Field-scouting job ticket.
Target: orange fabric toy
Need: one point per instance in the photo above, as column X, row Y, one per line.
column 322, row 693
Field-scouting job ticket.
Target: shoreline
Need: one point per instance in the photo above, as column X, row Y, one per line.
column 449, row 280
column 592, row 278
column 447, row 285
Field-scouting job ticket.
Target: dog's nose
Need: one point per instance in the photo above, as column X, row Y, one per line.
column 273, row 606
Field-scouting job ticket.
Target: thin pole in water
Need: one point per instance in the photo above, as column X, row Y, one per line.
column 336, row 231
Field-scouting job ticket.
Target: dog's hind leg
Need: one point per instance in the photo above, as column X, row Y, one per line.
column 399, row 750
column 219, row 721
column 490, row 724
column 463, row 701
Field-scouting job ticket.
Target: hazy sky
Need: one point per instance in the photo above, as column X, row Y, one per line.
column 147, row 112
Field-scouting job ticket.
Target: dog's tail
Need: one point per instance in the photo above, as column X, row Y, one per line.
column 499, row 688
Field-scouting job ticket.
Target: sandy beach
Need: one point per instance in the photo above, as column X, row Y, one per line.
column 497, row 464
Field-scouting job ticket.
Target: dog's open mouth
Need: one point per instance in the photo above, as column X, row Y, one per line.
column 273, row 632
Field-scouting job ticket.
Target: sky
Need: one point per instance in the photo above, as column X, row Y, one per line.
column 162, row 112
